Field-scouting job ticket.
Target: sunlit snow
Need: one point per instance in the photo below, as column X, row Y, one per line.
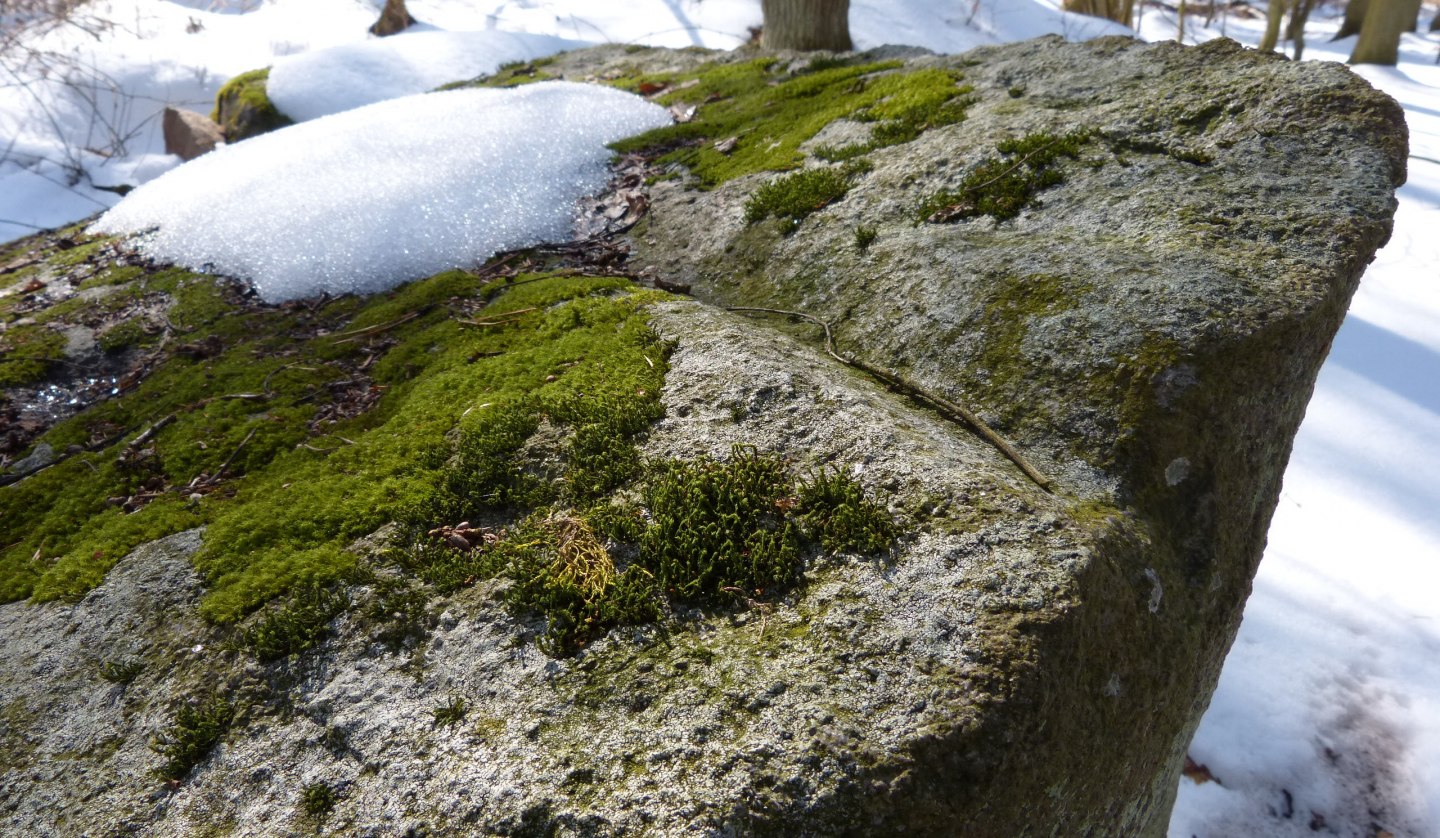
column 370, row 198
column 321, row 82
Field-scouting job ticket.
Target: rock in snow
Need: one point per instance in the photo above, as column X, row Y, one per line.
column 1136, row 289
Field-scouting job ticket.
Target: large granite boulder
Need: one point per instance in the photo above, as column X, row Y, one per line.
column 1128, row 261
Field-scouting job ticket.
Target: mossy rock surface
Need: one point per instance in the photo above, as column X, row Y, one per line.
column 551, row 553
column 243, row 109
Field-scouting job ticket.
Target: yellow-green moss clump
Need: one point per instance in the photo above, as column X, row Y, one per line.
column 753, row 116
column 344, row 405
column 290, row 431
column 243, row 109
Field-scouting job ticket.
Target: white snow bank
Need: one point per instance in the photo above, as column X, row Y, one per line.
column 367, row 199
column 327, row 81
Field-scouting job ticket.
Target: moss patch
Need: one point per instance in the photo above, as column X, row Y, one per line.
column 346, row 404
column 770, row 112
column 1002, row 186
column 27, row 352
column 794, row 196
column 197, row 728
column 243, row 109
column 513, row 74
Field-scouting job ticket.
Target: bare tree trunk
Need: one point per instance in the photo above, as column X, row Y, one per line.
column 1354, row 16
column 1273, row 16
column 1120, row 11
column 1385, row 22
column 1295, row 31
column 393, row 18
column 806, row 24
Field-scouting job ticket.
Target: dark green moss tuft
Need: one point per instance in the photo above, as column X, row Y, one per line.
column 300, row 623
column 794, row 196
column 720, row 533
column 864, row 237
column 452, row 712
column 197, row 728
column 835, row 512
column 1002, row 186
column 122, row 670
column 563, row 572
column 317, row 800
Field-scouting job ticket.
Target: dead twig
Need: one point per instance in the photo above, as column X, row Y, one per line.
column 945, row 406
column 503, row 319
column 147, row 434
column 234, row 454
column 356, row 334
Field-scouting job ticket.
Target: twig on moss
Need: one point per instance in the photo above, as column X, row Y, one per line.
column 235, row 453
column 945, row 406
column 265, row 385
column 148, row 433
column 502, row 319
column 356, row 334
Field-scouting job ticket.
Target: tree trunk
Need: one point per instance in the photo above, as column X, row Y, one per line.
column 1295, row 31
column 1385, row 22
column 1120, row 11
column 1273, row 16
column 393, row 18
column 1354, row 16
column 806, row 24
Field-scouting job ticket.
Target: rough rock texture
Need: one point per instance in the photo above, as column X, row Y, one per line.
column 1023, row 662
column 189, row 134
column 76, row 686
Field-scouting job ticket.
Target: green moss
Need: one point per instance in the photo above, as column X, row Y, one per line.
column 770, row 114
column 794, row 196
column 250, row 396
column 197, row 728
column 317, row 800
column 452, row 712
column 299, row 623
column 719, row 532
column 1002, row 186
column 513, row 74
column 243, row 109
column 835, row 512
column 123, row 335
column 26, row 353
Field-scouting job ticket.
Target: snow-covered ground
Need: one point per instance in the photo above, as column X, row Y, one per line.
column 1327, row 717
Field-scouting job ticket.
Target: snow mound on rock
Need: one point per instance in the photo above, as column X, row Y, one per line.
column 327, row 81
column 367, row 199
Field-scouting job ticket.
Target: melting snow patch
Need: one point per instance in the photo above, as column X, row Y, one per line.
column 327, row 81
column 368, row 199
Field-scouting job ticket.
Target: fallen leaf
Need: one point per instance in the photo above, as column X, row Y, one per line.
column 1198, row 774
column 650, row 88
